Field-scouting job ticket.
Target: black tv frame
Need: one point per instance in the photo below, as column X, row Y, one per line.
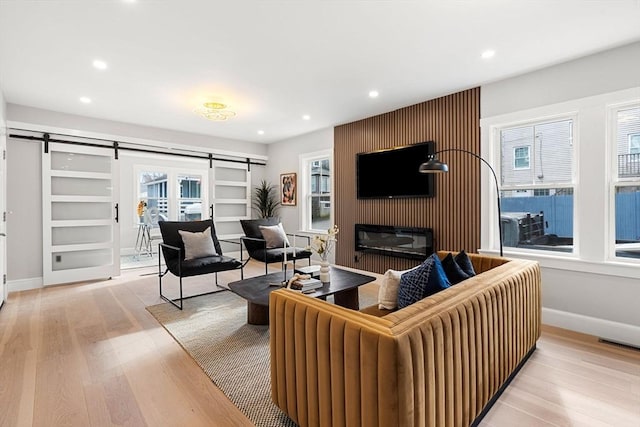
column 430, row 178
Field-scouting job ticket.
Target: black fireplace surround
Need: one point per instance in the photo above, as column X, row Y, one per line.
column 401, row 242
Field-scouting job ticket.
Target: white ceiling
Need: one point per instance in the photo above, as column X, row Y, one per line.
column 273, row 61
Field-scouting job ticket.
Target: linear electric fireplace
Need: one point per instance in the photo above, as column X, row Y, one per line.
column 401, row 242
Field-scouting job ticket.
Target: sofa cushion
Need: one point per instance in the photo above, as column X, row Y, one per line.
column 427, row 279
column 388, row 291
column 274, row 236
column 197, row 244
column 454, row 273
column 464, row 262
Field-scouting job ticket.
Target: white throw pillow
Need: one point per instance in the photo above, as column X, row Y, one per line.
column 274, row 235
column 197, row 245
column 388, row 291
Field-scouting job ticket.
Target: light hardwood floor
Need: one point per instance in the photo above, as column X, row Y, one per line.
column 90, row 355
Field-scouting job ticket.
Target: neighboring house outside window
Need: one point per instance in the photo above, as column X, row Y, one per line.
column 537, row 185
column 316, row 186
column 626, row 182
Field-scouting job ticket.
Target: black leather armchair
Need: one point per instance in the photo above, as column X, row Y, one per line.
column 257, row 249
column 172, row 249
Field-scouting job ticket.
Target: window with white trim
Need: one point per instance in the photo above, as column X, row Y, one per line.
column 537, row 185
column 170, row 194
column 521, row 158
column 626, row 181
column 316, row 184
column 634, row 143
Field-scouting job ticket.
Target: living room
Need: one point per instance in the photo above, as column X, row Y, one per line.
column 589, row 286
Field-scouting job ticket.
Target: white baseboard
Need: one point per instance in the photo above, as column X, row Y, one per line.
column 25, row 284
column 613, row 331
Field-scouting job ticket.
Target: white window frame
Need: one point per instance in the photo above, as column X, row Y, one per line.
column 593, row 173
column 497, row 150
column 528, row 157
column 304, row 188
column 614, row 180
column 173, row 196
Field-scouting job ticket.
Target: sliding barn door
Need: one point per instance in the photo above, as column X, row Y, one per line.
column 231, row 197
column 80, row 214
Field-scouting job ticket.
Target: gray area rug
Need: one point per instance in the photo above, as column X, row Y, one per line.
column 213, row 329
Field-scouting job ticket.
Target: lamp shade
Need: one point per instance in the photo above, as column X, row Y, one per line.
column 433, row 165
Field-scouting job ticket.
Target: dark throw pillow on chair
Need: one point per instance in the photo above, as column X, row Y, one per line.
column 427, row 279
column 463, row 261
column 454, row 273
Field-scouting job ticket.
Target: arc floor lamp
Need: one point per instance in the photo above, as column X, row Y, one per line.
column 433, row 165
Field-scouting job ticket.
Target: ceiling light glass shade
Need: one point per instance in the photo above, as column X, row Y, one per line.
column 433, row 165
column 214, row 111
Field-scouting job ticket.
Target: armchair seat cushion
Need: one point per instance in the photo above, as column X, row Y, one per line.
column 277, row 254
column 210, row 264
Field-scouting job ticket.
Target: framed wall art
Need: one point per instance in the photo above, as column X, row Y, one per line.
column 288, row 189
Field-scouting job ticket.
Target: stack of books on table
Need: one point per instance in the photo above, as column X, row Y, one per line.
column 306, row 285
column 312, row 270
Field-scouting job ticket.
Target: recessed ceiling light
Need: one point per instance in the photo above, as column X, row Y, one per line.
column 260, row 132
column 373, row 94
column 85, row 100
column 99, row 64
column 306, row 117
column 488, row 54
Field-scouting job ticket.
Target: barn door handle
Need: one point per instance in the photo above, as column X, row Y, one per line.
column 211, row 211
column 117, row 213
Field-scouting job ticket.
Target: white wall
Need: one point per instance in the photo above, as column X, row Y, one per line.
column 586, row 295
column 3, row 197
column 24, row 212
column 18, row 113
column 24, row 193
column 284, row 157
column 605, row 72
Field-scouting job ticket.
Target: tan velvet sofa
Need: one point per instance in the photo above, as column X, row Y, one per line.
column 439, row 362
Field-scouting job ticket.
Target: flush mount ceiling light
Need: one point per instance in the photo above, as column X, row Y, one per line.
column 306, row 117
column 373, row 94
column 85, row 100
column 215, row 111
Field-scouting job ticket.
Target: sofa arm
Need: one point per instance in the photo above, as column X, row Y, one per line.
column 330, row 365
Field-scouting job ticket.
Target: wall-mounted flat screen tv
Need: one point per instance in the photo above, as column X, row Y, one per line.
column 392, row 173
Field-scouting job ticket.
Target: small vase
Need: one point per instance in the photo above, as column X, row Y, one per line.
column 325, row 277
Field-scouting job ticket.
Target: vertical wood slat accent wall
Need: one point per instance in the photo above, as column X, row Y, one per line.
column 452, row 121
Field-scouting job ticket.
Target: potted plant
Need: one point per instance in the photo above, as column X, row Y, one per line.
column 265, row 199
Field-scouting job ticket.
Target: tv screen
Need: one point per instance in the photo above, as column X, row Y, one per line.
column 392, row 173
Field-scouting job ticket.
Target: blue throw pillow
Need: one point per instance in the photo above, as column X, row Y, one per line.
column 427, row 279
column 462, row 259
column 454, row 273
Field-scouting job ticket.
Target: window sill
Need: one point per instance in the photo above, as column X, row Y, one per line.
column 571, row 262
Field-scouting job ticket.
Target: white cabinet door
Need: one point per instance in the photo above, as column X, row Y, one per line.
column 80, row 214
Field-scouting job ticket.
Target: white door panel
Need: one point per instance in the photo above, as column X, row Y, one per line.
column 80, row 214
